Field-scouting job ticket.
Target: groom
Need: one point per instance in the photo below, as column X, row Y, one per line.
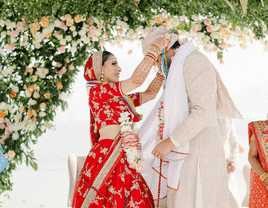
column 193, row 97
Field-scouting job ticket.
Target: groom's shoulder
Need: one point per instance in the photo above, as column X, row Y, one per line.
column 196, row 58
column 197, row 62
column 196, row 55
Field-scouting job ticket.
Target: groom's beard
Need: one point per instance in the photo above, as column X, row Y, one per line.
column 169, row 62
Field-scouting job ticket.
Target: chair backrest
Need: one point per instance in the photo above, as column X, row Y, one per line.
column 80, row 164
column 75, row 165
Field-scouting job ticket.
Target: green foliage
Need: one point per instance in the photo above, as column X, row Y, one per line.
column 111, row 10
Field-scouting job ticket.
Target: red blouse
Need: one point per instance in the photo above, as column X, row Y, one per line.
column 107, row 103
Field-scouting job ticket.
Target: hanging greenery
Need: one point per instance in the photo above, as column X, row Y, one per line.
column 43, row 42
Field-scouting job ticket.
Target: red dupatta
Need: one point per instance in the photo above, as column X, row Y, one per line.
column 92, row 72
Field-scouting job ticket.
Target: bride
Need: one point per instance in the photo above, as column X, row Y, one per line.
column 110, row 176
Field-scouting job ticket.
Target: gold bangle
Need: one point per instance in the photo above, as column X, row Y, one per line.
column 160, row 76
column 157, row 46
column 154, row 49
column 264, row 176
column 150, row 58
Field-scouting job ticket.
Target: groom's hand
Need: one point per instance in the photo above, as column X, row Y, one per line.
column 163, row 148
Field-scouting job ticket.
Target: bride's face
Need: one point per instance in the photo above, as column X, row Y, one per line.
column 111, row 70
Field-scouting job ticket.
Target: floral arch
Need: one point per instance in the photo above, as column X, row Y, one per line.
column 43, row 42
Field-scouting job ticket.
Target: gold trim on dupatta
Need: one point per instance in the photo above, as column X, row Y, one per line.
column 97, row 63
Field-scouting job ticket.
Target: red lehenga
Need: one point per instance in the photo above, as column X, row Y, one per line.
column 106, row 179
column 258, row 193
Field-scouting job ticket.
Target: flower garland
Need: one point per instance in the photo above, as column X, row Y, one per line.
column 130, row 142
column 159, row 138
column 211, row 34
column 161, row 124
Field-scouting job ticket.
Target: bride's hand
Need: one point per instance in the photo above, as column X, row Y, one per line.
column 163, row 148
column 230, row 167
column 163, row 41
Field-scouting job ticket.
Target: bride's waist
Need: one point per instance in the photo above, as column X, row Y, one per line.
column 109, row 132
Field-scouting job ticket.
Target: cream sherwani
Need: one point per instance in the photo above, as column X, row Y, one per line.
column 203, row 180
column 231, row 149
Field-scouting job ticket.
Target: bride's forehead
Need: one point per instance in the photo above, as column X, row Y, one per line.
column 112, row 58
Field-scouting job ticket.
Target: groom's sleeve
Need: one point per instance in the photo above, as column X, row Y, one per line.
column 200, row 82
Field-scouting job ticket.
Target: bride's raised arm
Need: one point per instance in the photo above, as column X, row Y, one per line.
column 143, row 69
column 153, row 88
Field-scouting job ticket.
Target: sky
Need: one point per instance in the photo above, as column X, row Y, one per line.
column 245, row 74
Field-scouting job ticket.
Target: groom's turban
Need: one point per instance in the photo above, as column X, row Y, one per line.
column 153, row 35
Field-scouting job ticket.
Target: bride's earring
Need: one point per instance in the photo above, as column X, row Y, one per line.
column 101, row 77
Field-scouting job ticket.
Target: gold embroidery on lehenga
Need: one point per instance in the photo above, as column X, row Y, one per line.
column 133, row 204
column 122, row 176
column 88, row 172
column 92, row 154
column 104, row 150
column 79, row 189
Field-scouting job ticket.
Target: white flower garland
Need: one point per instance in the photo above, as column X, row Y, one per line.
column 131, row 143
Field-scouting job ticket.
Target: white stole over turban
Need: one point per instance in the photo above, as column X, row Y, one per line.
column 175, row 112
column 154, row 34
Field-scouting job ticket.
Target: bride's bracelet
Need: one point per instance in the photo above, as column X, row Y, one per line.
column 160, row 76
column 152, row 52
column 263, row 177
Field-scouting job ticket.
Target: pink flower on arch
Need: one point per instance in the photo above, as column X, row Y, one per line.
column 101, row 27
column 196, row 28
column 209, row 29
column 7, row 131
column 62, row 71
column 71, row 67
column 2, row 140
column 14, row 33
column 59, row 64
column 90, row 21
column 57, row 33
column 8, row 123
column 62, row 24
column 61, row 49
column 10, row 47
column 224, row 45
column 207, row 22
column 20, row 26
column 215, row 49
column 102, row 42
column 90, row 34
column 92, row 28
